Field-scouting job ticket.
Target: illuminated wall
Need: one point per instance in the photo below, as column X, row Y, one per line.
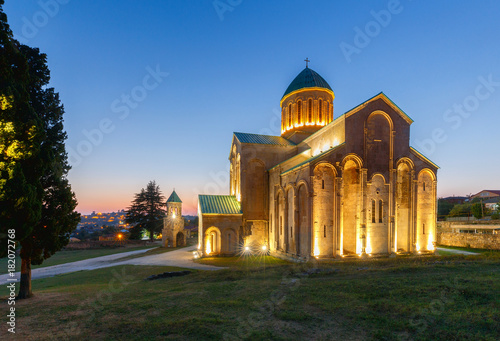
column 377, row 222
column 351, row 208
column 323, row 210
column 290, row 220
column 303, row 242
column 403, row 208
column 425, row 229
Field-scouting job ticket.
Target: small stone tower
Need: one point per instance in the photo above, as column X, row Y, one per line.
column 173, row 224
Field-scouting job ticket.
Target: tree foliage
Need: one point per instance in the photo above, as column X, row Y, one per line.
column 20, row 139
column 460, row 210
column 35, row 195
column 444, row 207
column 477, row 210
column 146, row 212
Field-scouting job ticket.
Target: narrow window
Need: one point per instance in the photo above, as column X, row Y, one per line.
column 281, row 226
column 380, row 211
column 291, row 234
column 322, row 184
column 324, row 231
column 272, row 222
column 327, row 109
column 289, row 115
column 283, row 121
column 423, row 228
column 299, row 111
column 320, row 110
column 373, row 211
column 309, row 109
column 424, row 186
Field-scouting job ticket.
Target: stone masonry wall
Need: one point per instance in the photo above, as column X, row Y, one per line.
column 477, row 241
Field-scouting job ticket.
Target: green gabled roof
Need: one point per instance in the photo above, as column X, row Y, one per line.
column 263, row 139
column 219, row 204
column 174, row 197
column 307, row 79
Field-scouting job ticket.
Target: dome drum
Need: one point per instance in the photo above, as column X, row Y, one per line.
column 307, row 105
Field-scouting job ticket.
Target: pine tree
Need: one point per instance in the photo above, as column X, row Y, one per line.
column 35, row 197
column 58, row 216
column 147, row 211
column 20, row 140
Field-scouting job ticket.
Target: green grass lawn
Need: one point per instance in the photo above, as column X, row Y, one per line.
column 426, row 298
column 67, row 256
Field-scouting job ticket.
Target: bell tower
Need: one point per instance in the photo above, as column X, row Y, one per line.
column 173, row 233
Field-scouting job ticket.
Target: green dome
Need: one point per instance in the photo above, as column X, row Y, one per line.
column 307, row 79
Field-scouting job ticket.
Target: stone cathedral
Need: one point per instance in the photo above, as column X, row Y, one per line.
column 328, row 187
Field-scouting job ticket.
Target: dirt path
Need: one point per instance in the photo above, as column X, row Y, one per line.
column 182, row 258
column 458, row 252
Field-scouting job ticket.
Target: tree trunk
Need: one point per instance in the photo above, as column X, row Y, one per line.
column 25, row 287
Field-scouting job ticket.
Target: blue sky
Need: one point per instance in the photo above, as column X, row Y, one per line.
column 154, row 89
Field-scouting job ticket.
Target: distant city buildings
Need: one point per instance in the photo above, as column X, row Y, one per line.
column 97, row 220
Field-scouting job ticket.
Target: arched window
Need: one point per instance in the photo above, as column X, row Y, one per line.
column 373, row 211
column 283, row 118
column 320, row 110
column 289, row 114
column 299, row 111
column 310, row 110
column 328, row 110
column 380, row 211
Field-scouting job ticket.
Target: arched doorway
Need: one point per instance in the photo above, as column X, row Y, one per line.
column 212, row 241
column 179, row 239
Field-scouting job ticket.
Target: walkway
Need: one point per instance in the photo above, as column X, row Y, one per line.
column 182, row 258
column 458, row 252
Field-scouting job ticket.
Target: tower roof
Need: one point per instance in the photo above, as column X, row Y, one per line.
column 174, row 197
column 308, row 78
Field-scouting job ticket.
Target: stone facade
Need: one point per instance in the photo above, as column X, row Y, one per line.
column 333, row 187
column 219, row 234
